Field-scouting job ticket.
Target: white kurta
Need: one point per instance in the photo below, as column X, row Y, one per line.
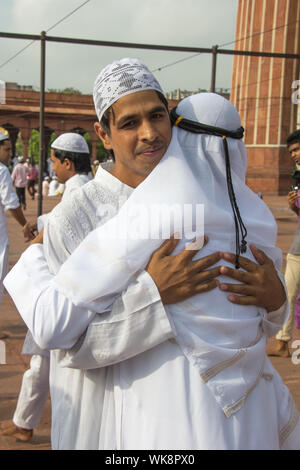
column 8, row 200
column 137, row 320
column 75, row 182
column 150, row 396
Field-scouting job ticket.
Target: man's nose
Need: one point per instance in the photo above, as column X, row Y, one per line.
column 148, row 131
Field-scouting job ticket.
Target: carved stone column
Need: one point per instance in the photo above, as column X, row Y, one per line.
column 262, row 88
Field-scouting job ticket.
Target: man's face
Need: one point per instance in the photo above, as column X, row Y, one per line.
column 294, row 151
column 5, row 152
column 61, row 169
column 140, row 133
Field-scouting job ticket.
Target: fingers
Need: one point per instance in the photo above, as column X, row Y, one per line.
column 206, row 275
column 246, row 263
column 242, row 300
column 188, row 253
column 167, row 247
column 237, row 274
column 260, row 256
column 241, row 289
column 197, row 289
column 206, row 287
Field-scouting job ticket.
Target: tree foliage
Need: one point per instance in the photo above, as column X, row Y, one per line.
column 66, row 91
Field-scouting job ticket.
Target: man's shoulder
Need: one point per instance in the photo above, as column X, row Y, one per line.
column 4, row 172
column 82, row 200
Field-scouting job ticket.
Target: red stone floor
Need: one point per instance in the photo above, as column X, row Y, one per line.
column 11, row 373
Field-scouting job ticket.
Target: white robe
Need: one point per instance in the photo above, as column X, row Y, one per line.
column 150, row 396
column 8, row 200
column 137, row 314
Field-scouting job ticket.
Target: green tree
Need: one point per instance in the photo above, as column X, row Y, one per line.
column 19, row 145
column 34, row 146
column 67, row 91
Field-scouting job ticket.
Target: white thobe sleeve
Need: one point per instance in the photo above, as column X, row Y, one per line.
column 8, row 196
column 136, row 322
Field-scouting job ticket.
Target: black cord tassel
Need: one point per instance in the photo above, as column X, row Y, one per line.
column 240, row 247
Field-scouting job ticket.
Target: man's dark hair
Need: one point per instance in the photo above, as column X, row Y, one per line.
column 106, row 119
column 293, row 138
column 81, row 160
column 4, row 140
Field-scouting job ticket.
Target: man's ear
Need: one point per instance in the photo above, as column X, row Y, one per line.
column 102, row 135
column 69, row 165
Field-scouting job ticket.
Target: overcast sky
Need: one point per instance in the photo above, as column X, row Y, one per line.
column 198, row 23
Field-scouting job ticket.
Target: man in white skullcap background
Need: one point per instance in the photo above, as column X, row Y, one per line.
column 70, row 158
column 71, row 163
column 8, row 202
column 86, row 403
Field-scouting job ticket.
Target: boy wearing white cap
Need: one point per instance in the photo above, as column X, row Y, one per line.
column 70, row 158
column 134, row 124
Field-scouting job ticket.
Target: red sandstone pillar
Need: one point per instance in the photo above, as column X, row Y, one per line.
column 262, row 88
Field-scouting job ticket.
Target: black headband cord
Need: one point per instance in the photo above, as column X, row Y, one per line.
column 199, row 128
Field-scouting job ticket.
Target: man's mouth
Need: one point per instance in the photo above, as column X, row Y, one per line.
column 151, row 151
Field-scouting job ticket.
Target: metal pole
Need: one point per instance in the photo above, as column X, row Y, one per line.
column 42, row 118
column 213, row 69
column 157, row 47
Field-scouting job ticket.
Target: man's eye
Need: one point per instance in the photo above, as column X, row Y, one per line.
column 128, row 124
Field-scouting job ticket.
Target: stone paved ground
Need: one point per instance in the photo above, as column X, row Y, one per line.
column 11, row 373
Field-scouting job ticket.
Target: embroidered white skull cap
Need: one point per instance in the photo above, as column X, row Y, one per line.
column 3, row 136
column 71, row 142
column 122, row 77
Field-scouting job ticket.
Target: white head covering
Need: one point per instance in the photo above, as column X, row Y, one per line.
column 3, row 136
column 71, row 142
column 194, row 167
column 21, row 159
column 121, row 78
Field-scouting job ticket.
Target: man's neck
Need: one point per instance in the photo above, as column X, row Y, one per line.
column 128, row 178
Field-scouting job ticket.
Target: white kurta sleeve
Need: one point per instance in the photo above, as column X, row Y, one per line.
column 8, row 197
column 53, row 321
column 137, row 322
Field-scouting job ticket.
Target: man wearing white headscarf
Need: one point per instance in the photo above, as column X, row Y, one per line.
column 129, row 412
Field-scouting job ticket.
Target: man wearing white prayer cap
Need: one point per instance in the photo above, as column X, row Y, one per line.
column 134, row 327
column 8, row 202
column 70, row 158
column 71, row 162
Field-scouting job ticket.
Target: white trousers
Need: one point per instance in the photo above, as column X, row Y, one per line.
column 33, row 393
column 4, row 255
column 292, row 281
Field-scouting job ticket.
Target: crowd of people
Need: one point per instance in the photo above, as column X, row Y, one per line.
column 154, row 342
